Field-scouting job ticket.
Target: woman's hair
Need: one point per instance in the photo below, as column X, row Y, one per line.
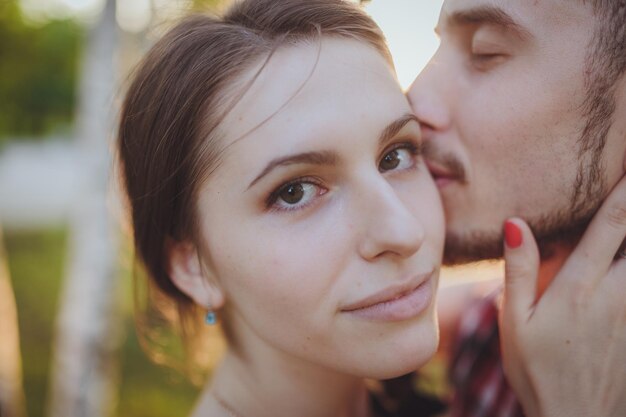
column 169, row 139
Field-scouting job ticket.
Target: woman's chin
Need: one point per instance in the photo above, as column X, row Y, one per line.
column 403, row 357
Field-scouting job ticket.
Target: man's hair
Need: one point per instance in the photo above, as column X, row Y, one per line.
column 608, row 48
column 604, row 67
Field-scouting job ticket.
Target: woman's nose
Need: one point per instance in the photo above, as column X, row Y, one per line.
column 390, row 227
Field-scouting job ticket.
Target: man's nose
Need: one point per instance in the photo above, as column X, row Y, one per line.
column 429, row 96
column 390, row 228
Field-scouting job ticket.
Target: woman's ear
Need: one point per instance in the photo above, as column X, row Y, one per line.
column 188, row 274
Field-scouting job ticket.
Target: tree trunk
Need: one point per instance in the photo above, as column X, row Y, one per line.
column 12, row 402
column 89, row 324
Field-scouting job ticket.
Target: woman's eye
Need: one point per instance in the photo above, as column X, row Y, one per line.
column 295, row 195
column 399, row 158
column 292, row 194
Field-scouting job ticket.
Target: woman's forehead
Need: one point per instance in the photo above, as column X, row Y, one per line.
column 341, row 106
column 311, row 84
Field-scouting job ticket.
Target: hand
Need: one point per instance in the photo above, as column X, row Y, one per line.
column 565, row 353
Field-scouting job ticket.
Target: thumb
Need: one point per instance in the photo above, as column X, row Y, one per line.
column 521, row 257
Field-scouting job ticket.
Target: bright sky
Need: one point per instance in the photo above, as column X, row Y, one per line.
column 408, row 25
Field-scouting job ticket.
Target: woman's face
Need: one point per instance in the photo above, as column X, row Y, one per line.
column 322, row 225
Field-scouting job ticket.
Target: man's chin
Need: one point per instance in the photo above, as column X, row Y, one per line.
column 566, row 238
column 472, row 247
column 475, row 246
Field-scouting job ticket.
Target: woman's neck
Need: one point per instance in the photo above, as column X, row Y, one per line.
column 270, row 384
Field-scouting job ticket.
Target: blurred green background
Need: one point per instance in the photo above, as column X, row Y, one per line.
column 40, row 58
column 39, row 63
column 38, row 73
column 36, row 264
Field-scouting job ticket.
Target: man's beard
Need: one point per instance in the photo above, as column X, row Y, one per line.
column 556, row 230
column 561, row 228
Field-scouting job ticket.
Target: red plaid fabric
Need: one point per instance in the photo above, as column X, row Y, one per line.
column 476, row 375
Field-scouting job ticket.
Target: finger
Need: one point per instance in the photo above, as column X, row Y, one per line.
column 602, row 239
column 615, row 286
column 621, row 253
column 521, row 257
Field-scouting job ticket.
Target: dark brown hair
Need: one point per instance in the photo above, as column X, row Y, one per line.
column 169, row 140
column 605, row 67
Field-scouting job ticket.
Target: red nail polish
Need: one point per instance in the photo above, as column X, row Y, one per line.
column 512, row 235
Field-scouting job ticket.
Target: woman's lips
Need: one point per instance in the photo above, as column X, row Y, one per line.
column 396, row 303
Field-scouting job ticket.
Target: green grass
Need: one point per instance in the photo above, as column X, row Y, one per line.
column 36, row 264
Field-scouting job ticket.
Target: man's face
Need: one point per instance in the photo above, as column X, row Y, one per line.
column 502, row 105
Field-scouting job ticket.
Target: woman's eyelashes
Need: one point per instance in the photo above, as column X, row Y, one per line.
column 296, row 194
column 302, row 192
column 401, row 156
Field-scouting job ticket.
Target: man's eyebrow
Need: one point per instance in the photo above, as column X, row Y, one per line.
column 487, row 15
column 329, row 157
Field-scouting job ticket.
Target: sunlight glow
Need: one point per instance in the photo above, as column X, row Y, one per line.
column 408, row 25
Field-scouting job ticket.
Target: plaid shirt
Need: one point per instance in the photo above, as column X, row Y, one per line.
column 476, row 375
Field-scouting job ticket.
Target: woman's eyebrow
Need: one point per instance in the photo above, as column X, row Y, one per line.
column 395, row 127
column 330, row 157
column 311, row 158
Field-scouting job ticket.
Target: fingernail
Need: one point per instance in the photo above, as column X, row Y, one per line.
column 512, row 235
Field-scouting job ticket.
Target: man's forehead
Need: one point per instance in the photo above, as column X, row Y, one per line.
column 530, row 5
column 527, row 14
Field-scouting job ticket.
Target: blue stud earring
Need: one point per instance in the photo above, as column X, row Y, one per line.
column 210, row 318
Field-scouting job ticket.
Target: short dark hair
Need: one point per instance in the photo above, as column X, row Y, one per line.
column 608, row 48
